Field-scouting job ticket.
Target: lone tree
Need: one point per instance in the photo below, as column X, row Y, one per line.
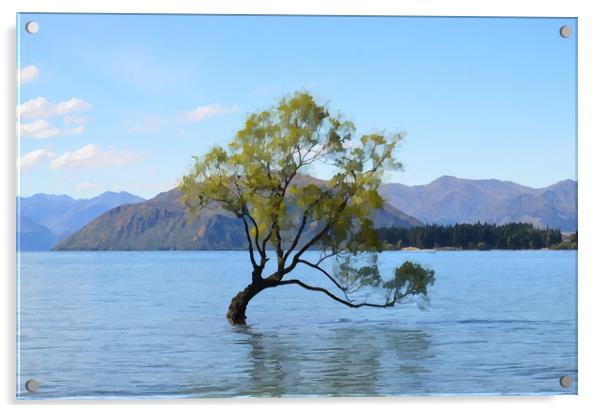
column 259, row 178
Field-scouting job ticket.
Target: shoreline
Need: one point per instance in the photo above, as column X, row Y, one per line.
column 406, row 249
column 452, row 249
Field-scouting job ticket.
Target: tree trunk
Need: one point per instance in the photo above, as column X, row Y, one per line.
column 238, row 305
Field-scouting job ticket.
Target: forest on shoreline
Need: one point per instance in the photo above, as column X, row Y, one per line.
column 479, row 236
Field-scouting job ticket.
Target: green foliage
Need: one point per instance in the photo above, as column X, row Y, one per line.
column 259, row 175
column 261, row 178
column 568, row 243
column 410, row 279
column 475, row 236
column 353, row 277
column 256, row 175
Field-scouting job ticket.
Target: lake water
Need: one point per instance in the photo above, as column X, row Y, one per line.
column 152, row 324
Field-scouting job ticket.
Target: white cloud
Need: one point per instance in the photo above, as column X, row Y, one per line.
column 73, row 105
column 92, row 155
column 30, row 159
column 202, row 112
column 84, row 186
column 38, row 129
column 42, row 108
column 28, row 74
column 42, row 129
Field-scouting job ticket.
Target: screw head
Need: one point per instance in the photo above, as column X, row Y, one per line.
column 566, row 381
column 32, row 27
column 566, row 31
column 32, row 385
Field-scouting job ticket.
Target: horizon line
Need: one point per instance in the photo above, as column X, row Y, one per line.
column 384, row 183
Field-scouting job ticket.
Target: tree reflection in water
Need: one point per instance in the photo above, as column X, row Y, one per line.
column 347, row 360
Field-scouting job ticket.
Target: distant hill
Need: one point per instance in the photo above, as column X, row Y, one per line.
column 450, row 200
column 47, row 218
column 33, row 236
column 162, row 223
column 64, row 215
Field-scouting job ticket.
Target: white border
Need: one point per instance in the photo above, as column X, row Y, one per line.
column 590, row 74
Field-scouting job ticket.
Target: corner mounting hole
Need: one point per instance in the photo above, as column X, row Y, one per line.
column 32, row 27
column 566, row 381
column 32, row 385
column 566, row 31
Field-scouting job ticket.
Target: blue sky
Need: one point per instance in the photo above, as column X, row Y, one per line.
column 121, row 102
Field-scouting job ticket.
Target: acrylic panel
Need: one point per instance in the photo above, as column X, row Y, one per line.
column 289, row 206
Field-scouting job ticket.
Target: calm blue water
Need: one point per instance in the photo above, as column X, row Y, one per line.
column 152, row 324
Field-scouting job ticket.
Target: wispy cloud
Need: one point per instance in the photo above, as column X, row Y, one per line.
column 28, row 74
column 38, row 129
column 42, row 129
column 203, row 112
column 41, row 108
column 32, row 158
column 91, row 156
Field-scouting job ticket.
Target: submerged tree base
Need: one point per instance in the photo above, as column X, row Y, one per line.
column 238, row 306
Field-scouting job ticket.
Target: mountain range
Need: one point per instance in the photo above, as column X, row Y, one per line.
column 45, row 219
column 122, row 221
column 163, row 223
column 450, row 200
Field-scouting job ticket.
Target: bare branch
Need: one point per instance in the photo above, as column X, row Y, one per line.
column 330, row 277
column 247, row 213
column 338, row 299
column 316, row 238
column 304, row 221
column 249, row 242
column 325, row 256
column 278, row 246
column 296, row 240
column 267, row 238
